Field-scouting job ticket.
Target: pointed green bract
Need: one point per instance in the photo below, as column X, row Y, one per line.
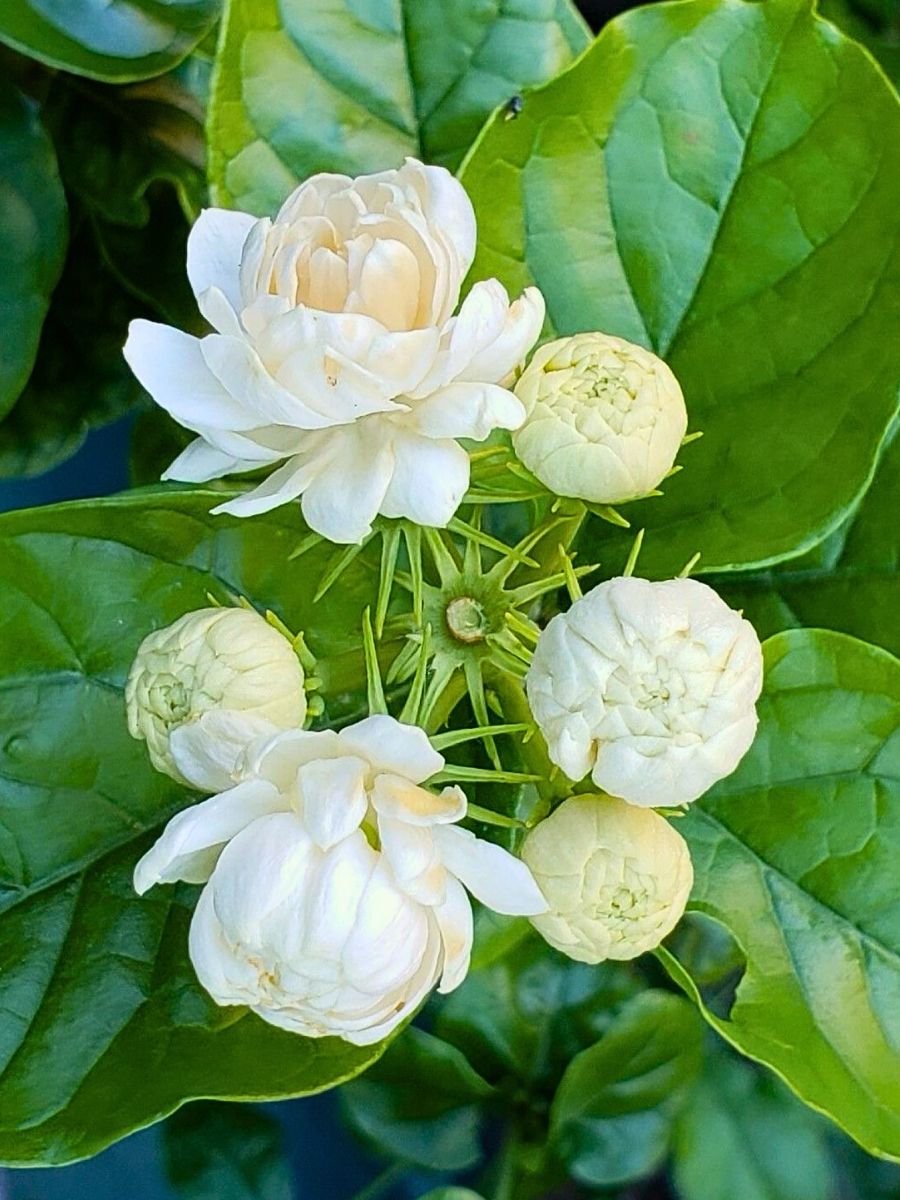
column 669, row 189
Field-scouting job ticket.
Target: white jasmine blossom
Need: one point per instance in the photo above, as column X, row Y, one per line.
column 336, row 349
column 604, row 418
column 213, row 659
column 336, row 897
column 616, row 878
column 650, row 687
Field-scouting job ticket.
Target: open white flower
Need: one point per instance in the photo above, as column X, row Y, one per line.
column 218, row 659
column 604, row 418
column 616, row 878
column 336, row 349
column 336, row 895
column 649, row 686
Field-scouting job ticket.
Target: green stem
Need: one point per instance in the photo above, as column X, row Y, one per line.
column 382, row 1182
column 551, row 784
column 507, row 1187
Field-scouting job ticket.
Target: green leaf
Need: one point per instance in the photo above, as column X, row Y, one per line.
column 302, row 88
column 80, row 378
column 33, row 246
column 420, row 1104
column 226, row 1152
column 106, row 1028
column 668, row 189
column 744, row 1137
column 611, row 1118
column 795, row 854
column 526, row 1014
column 851, row 582
column 132, row 39
column 114, row 142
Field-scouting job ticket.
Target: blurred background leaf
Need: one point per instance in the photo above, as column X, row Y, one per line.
column 33, row 242
column 226, row 1152
column 132, row 39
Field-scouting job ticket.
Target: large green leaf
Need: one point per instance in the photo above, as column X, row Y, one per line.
column 33, row 243
column 851, row 582
column 131, row 39
column 744, row 1137
column 670, row 188
column 226, row 1152
column 611, row 1119
column 796, row 855
column 302, row 88
column 105, row 1027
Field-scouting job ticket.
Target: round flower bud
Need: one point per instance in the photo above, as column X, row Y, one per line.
column 616, row 878
column 605, row 418
column 650, row 687
column 223, row 659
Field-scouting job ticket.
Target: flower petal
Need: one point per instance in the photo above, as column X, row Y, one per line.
column 428, row 482
column 454, row 918
column 493, row 875
column 392, row 746
column 283, row 485
column 206, row 751
column 333, row 798
column 414, row 859
column 171, row 366
column 468, row 410
column 200, row 462
column 240, row 371
column 344, row 498
column 214, row 248
column 190, row 844
column 397, row 798
column 520, row 331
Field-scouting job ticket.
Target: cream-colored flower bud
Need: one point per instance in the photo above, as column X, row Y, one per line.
column 605, row 418
column 616, row 878
column 214, row 659
column 649, row 686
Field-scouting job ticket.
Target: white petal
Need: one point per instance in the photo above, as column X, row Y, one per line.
column 454, row 919
column 171, row 366
column 239, row 369
column 397, row 798
column 344, row 498
column 392, row 746
column 468, row 410
column 262, row 868
column 334, row 798
column 214, row 249
column 493, row 875
column 191, row 842
column 206, row 751
column 428, row 482
column 414, row 859
column 283, row 485
column 446, row 206
column 214, row 306
column 200, row 462
column 520, row 331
